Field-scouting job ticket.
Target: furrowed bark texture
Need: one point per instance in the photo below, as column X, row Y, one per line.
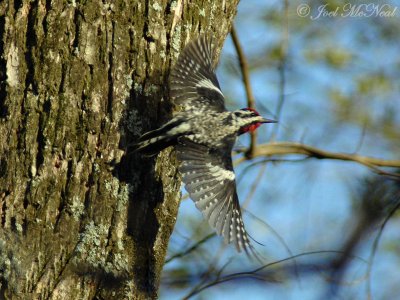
column 80, row 80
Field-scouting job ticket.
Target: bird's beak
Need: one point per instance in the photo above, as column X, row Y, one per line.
column 263, row 120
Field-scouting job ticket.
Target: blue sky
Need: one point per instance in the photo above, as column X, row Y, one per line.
column 309, row 203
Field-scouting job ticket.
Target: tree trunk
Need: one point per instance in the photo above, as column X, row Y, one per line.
column 80, row 218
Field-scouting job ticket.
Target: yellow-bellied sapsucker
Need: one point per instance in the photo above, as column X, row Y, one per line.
column 204, row 134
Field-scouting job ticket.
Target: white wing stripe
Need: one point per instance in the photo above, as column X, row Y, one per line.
column 220, row 173
column 206, row 83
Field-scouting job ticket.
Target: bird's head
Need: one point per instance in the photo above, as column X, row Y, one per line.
column 249, row 120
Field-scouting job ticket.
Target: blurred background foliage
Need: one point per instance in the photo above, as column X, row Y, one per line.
column 333, row 83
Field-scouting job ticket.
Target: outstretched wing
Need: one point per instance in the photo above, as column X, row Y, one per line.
column 193, row 83
column 210, row 181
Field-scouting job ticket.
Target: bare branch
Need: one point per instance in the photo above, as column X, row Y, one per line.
column 288, row 148
column 246, row 81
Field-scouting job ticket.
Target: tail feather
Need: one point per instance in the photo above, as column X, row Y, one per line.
column 159, row 131
column 156, row 140
column 154, row 145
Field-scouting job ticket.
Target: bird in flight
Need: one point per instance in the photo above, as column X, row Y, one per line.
column 203, row 134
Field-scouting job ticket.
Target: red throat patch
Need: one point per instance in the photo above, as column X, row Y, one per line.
column 251, row 128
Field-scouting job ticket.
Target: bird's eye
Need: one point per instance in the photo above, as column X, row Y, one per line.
column 238, row 114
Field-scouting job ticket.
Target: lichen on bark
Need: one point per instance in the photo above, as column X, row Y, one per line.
column 80, row 80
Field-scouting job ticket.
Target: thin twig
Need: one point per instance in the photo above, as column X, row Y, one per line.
column 191, row 249
column 375, row 247
column 280, row 239
column 246, row 81
column 254, row 185
column 362, row 137
column 282, row 67
column 210, row 271
column 255, row 275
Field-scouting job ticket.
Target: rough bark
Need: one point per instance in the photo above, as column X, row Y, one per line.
column 80, row 219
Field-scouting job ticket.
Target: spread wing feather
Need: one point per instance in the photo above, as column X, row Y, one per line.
column 210, row 181
column 193, row 83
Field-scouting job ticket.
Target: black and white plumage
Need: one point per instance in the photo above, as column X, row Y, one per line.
column 204, row 134
column 193, row 82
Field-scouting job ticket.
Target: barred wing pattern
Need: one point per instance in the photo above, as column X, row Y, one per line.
column 210, row 181
column 193, row 83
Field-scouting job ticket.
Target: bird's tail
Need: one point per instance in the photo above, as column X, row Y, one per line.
column 156, row 140
column 154, row 145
